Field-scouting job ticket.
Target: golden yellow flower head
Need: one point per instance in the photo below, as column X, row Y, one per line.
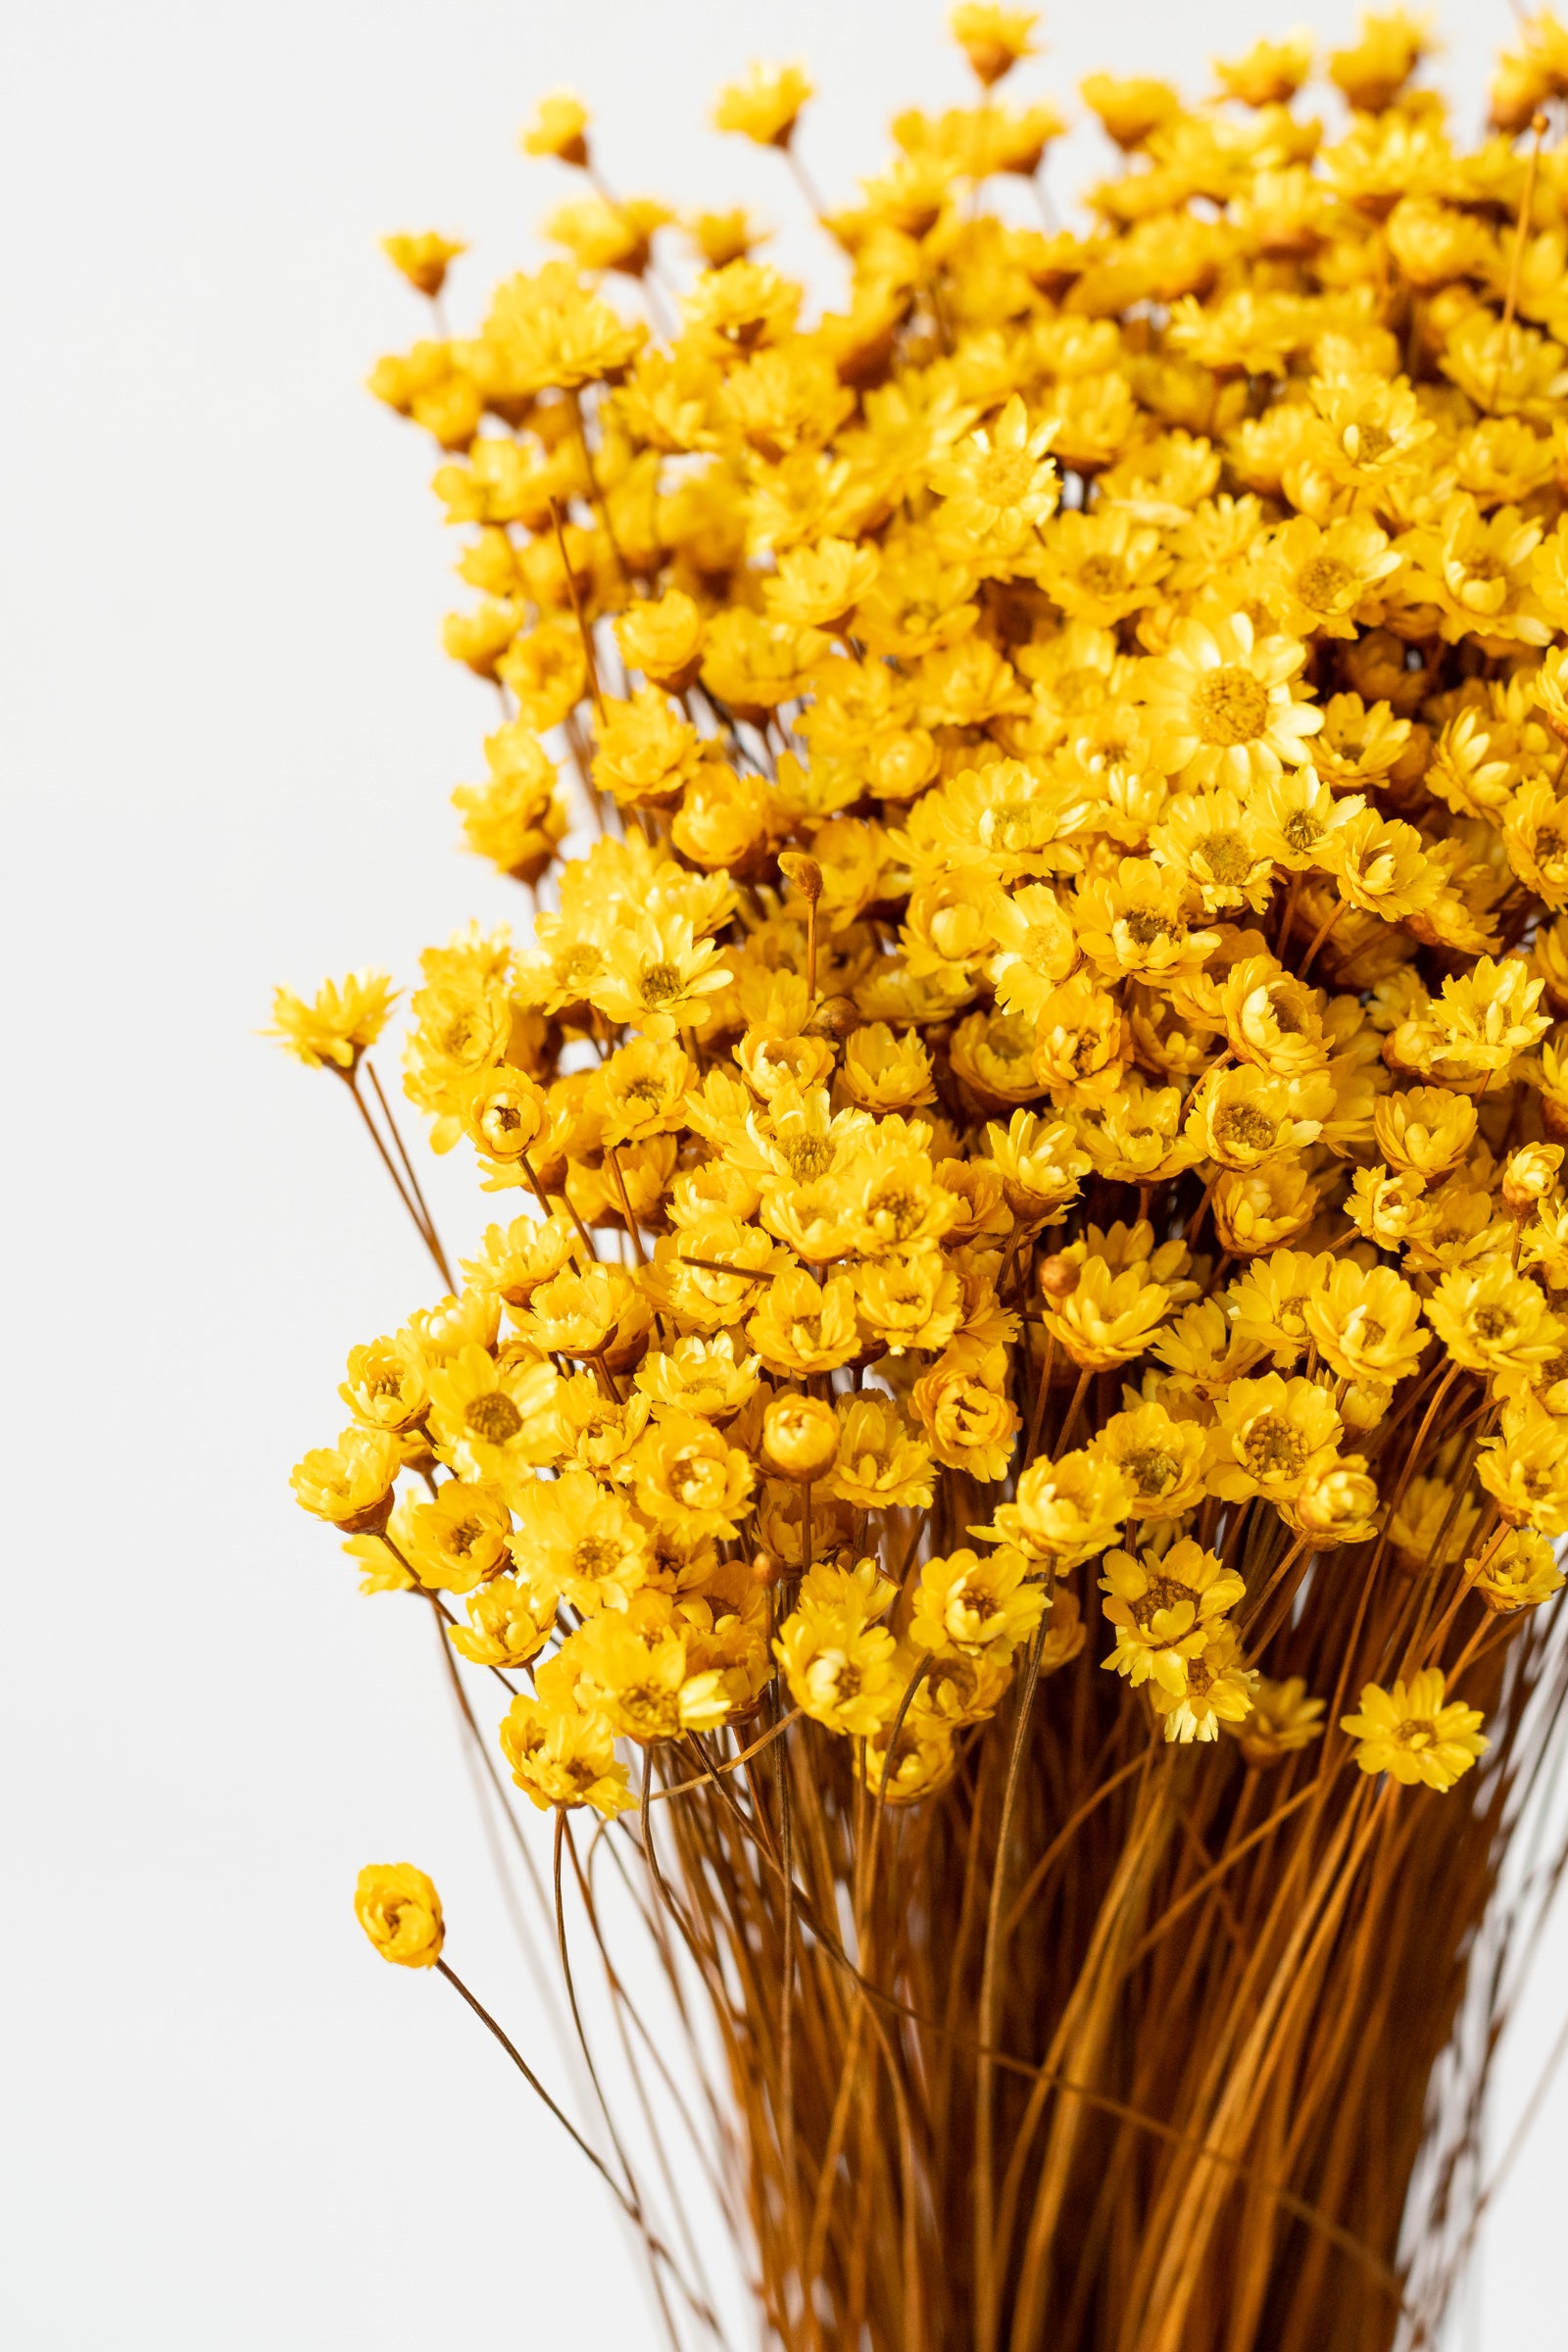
column 994, row 40
column 423, row 259
column 1284, row 1721
column 560, row 128
column 344, row 1019
column 974, row 1602
column 1411, row 1731
column 350, row 1484
column 766, row 105
column 1517, row 1570
column 400, row 1911
column 799, row 1437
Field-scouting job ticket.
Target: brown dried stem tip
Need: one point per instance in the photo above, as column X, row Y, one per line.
column 807, row 876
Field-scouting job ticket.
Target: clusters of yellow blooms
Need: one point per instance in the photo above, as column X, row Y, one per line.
column 1070, row 938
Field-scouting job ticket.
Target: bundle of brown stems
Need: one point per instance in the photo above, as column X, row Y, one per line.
column 1104, row 2047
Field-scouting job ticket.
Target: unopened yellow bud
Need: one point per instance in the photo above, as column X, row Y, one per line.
column 804, row 872
column 400, row 1911
column 1530, row 1175
column 799, row 1437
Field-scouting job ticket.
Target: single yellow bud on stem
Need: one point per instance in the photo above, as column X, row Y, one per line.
column 807, row 876
column 1059, row 1276
column 799, row 1437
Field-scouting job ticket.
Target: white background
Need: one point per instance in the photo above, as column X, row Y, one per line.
column 228, row 742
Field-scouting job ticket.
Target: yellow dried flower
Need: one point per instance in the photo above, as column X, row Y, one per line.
column 400, row 1911
column 423, row 260
column 1493, row 1320
column 799, row 1437
column 838, row 1665
column 766, row 105
column 346, row 1017
column 563, row 1755
column 1160, row 1458
column 1366, row 1323
column 350, row 1484
column 1218, row 1689
column 559, row 128
column 880, row 1465
column 1284, row 1721
column 973, row 1602
column 1164, row 1607
column 1067, row 1511
column 1410, row 1732
column 1271, row 1435
column 509, row 1623
column 1518, row 1571
column 962, row 1405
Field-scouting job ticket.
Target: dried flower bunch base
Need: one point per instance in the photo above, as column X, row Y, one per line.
column 1012, row 1430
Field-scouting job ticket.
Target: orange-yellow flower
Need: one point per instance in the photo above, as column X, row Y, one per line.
column 400, row 1911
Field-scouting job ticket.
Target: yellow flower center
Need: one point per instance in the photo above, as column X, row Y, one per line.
column 1163, row 1592
column 1493, row 1322
column 1326, row 585
column 951, row 1674
column 1001, row 477
column 494, row 1418
column 575, row 967
column 1010, row 827
column 1145, row 926
column 660, row 982
column 1227, row 856
column 1230, row 705
column 1042, row 944
column 895, row 1210
column 1245, row 1126
column 832, row 1679
column 692, row 1479
column 457, row 1039
column 1102, row 575
column 1151, row 1472
column 1273, row 1447
column 806, row 1156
